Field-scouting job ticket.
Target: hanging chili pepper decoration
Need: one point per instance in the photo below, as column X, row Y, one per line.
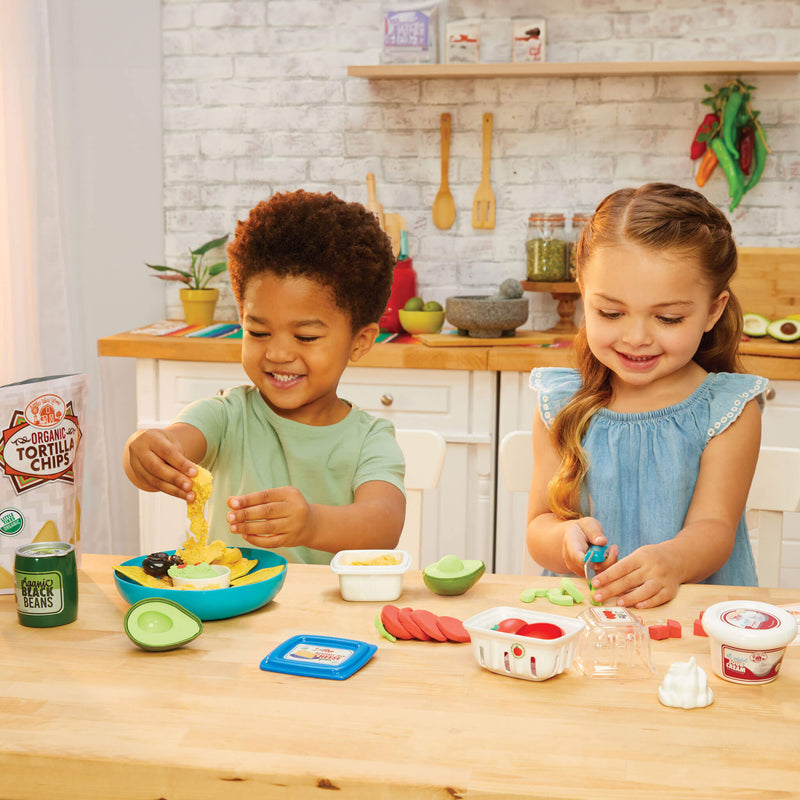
column 707, row 128
column 760, row 151
column 747, row 140
column 707, row 166
column 732, row 137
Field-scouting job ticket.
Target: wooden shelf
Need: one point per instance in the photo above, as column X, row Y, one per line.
column 566, row 292
column 594, row 69
column 561, row 287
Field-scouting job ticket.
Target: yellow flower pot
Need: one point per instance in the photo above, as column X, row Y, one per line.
column 199, row 305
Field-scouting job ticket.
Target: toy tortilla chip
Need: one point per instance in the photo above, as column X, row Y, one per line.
column 196, row 553
column 48, row 533
column 259, row 575
column 138, row 575
column 201, row 486
column 6, row 579
column 229, row 557
column 240, row 568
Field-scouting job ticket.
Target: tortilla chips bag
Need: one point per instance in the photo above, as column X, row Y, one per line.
column 41, row 465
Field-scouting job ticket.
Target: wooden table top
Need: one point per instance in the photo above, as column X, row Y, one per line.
column 85, row 713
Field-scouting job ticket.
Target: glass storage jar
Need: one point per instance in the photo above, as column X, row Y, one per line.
column 579, row 221
column 546, row 248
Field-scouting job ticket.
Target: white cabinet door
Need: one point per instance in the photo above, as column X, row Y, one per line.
column 781, row 428
column 516, row 406
column 459, row 404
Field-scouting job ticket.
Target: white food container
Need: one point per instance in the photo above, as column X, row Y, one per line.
column 222, row 580
column 370, row 581
column 522, row 656
column 748, row 639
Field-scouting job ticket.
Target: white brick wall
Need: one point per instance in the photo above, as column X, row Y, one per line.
column 256, row 100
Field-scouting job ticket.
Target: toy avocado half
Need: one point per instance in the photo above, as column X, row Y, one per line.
column 450, row 575
column 784, row 330
column 755, row 325
column 158, row 624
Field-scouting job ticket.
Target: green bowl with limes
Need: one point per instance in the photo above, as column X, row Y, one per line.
column 421, row 321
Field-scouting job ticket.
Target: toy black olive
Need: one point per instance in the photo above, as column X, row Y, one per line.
column 157, row 564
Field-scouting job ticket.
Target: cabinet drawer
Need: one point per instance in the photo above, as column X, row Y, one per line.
column 435, row 399
column 183, row 382
column 781, row 420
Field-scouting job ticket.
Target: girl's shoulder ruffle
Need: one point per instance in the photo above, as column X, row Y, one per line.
column 729, row 393
column 555, row 386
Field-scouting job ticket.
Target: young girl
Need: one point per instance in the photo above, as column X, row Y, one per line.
column 649, row 447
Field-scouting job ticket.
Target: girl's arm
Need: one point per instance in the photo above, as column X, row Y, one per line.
column 557, row 545
column 282, row 517
column 652, row 574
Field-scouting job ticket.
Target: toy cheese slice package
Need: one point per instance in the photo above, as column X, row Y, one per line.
column 41, row 465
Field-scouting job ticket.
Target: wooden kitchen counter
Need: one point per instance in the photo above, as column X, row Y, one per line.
column 505, row 358
column 85, row 713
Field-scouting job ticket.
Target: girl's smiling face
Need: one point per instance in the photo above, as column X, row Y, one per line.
column 296, row 343
column 646, row 312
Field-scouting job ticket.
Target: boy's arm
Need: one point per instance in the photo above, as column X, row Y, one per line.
column 652, row 574
column 163, row 459
column 555, row 544
column 281, row 517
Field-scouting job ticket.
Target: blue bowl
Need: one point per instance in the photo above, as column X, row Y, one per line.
column 211, row 604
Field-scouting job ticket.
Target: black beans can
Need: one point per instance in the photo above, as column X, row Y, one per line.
column 46, row 584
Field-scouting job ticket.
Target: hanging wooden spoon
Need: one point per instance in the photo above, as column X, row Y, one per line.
column 483, row 206
column 372, row 203
column 444, row 208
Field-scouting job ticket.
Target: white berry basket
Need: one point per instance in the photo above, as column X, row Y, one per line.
column 523, row 656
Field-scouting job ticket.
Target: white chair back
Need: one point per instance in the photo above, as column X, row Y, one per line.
column 775, row 490
column 424, row 453
column 516, row 464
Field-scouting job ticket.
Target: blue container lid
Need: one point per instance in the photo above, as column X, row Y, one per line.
column 319, row 657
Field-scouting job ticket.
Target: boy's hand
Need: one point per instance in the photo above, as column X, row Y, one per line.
column 646, row 578
column 271, row 518
column 155, row 462
column 579, row 535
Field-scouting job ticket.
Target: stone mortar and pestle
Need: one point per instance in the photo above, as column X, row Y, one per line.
column 489, row 316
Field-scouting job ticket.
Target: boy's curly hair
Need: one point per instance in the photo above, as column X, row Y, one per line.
column 320, row 237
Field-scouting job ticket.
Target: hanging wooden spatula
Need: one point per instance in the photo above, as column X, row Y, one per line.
column 444, row 207
column 483, row 206
column 372, row 203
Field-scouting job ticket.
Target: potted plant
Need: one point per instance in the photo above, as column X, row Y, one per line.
column 198, row 300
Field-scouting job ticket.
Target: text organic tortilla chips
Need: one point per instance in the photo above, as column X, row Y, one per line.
column 41, row 465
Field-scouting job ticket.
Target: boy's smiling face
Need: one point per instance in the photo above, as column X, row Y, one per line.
column 296, row 343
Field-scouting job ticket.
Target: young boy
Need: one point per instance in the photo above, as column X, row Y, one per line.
column 300, row 468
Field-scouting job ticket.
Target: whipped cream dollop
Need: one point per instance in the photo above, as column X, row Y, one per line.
column 685, row 686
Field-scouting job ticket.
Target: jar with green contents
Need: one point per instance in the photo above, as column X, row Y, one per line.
column 579, row 221
column 546, row 248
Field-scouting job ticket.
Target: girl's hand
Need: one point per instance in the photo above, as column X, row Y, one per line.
column 271, row 518
column 579, row 535
column 646, row 578
column 155, row 462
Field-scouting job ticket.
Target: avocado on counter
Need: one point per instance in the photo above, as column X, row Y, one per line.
column 159, row 624
column 755, row 325
column 784, row 330
column 450, row 575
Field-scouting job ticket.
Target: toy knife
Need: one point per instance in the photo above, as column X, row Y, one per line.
column 594, row 555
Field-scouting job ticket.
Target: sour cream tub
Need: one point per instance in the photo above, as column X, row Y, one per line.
column 748, row 639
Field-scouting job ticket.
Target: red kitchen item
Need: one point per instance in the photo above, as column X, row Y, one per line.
column 404, row 287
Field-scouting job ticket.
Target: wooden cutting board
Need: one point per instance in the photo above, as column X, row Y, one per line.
column 770, row 347
column 452, row 339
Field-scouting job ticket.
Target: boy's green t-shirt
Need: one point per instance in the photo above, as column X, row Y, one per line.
column 250, row 448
